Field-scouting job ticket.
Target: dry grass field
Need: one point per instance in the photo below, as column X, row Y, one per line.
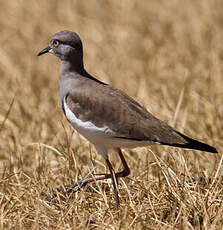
column 168, row 55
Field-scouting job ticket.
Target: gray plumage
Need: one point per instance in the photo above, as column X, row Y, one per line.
column 106, row 116
column 92, row 100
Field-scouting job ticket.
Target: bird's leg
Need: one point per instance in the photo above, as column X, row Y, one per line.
column 81, row 183
column 114, row 181
column 126, row 171
column 114, row 176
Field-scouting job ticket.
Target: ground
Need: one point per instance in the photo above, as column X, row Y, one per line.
column 168, row 55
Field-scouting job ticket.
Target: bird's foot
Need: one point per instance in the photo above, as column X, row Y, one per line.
column 62, row 192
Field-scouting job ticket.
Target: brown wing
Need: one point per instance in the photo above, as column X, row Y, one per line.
column 105, row 106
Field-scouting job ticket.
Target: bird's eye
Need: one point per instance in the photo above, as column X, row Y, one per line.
column 56, row 43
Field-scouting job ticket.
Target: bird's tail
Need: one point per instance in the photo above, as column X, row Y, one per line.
column 194, row 144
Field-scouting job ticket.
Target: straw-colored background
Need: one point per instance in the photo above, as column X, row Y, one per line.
column 168, row 55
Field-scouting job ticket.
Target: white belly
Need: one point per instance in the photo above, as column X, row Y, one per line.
column 91, row 132
column 99, row 136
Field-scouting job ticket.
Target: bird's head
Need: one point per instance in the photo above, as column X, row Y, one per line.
column 66, row 45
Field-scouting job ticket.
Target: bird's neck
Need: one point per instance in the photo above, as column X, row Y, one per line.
column 75, row 66
column 69, row 69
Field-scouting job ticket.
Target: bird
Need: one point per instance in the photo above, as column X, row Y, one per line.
column 107, row 117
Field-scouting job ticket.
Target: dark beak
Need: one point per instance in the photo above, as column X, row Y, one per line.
column 45, row 50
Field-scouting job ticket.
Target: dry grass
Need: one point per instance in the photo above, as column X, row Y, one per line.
column 166, row 54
